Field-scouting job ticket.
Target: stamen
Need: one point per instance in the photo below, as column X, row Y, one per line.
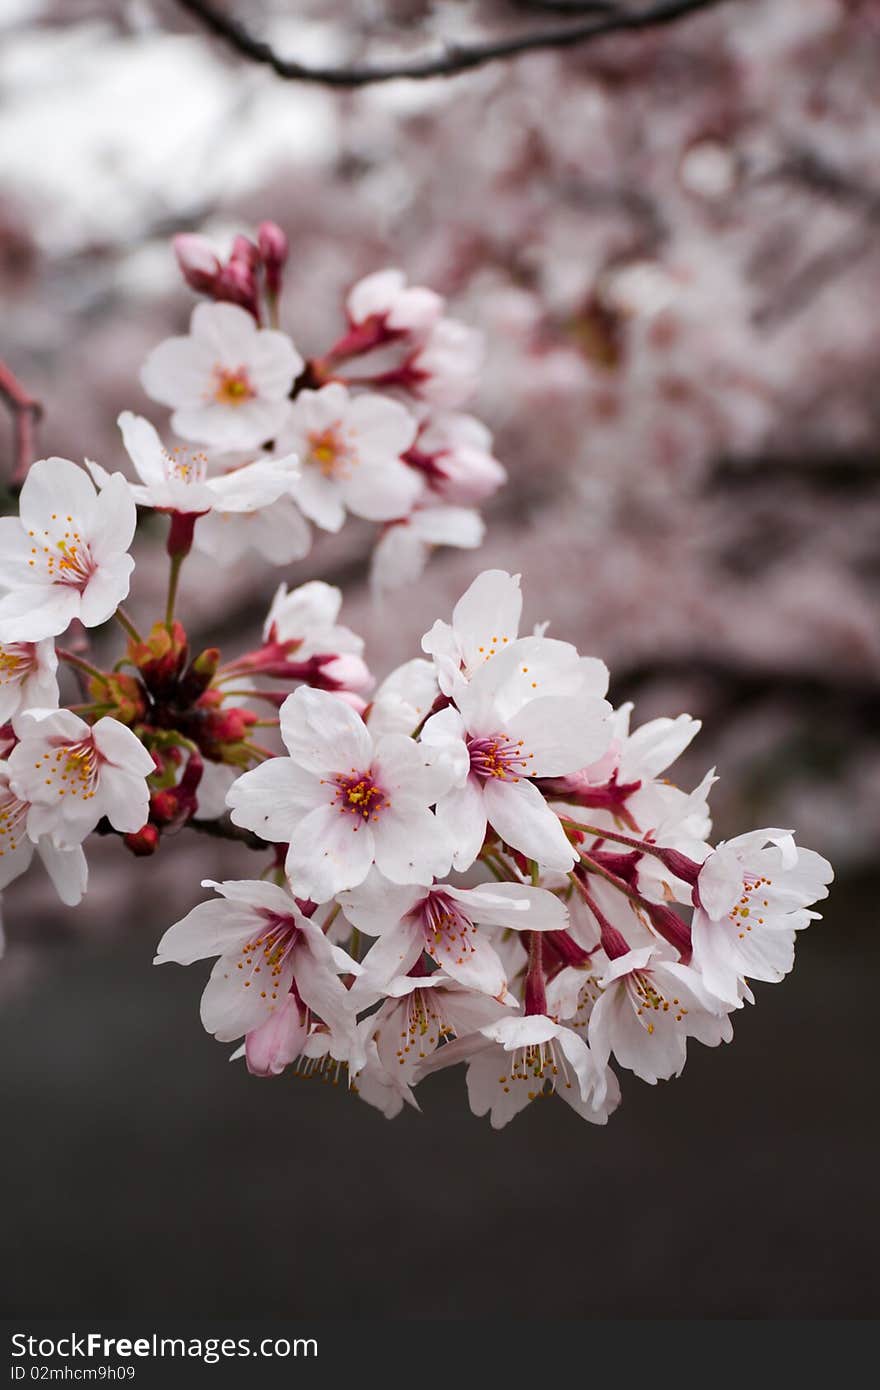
column 499, row 756
column 232, row 386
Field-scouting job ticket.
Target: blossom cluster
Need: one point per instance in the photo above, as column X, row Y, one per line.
column 376, row 422
column 476, row 861
column 487, row 866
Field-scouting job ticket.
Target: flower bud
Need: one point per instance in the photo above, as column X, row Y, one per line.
column 198, row 675
column 245, row 253
column 144, row 841
column 198, row 263
column 274, row 248
column 278, row 1041
column 672, row 928
column 123, row 693
column 161, row 658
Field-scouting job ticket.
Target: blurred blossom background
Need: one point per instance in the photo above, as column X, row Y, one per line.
column 670, row 240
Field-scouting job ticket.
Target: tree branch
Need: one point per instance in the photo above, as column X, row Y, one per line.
column 25, row 411
column 455, row 58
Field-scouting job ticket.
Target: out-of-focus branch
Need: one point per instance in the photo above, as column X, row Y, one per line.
column 454, row 58
column 570, row 7
column 25, row 411
column 809, row 170
column 739, row 686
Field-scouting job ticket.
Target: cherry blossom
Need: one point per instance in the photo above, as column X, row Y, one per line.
column 385, row 299
column 350, row 450
column 274, row 967
column 278, row 533
column 344, row 802
column 446, row 922
column 28, row 677
column 179, row 480
column 421, row 1013
column 227, row 381
column 753, row 893
column 648, row 1009
column 405, row 545
column 533, row 710
column 73, row 774
column 453, row 453
column 484, row 863
column 65, row 555
column 445, row 369
column 484, row 620
column 403, row 701
column 305, row 620
column 66, row 867
column 514, row 1061
column 302, row 640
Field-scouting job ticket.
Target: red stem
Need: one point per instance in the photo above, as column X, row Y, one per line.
column 26, row 410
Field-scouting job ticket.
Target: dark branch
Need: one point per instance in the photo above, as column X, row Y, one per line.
column 25, row 411
column 568, row 7
column 455, row 58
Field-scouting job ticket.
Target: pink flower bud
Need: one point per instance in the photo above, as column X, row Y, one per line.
column 278, row 1041
column 198, row 263
column 244, row 252
column 237, row 284
column 347, row 672
column 274, row 248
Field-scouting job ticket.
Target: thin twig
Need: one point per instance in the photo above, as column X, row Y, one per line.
column 454, row 58
column 25, row 411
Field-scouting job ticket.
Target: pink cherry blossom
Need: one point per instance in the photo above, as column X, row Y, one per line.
column 343, row 801
column 74, row 774
column 65, row 555
column 227, row 381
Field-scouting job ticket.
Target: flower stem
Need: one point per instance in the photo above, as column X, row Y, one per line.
column 592, row 867
column 79, row 663
column 125, row 622
column 261, row 752
column 535, row 993
column 173, row 578
column 600, row 833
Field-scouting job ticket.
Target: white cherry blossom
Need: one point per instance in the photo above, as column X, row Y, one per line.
column 454, row 453
column 350, row 449
column 400, row 308
column 278, row 533
column 307, row 616
column 228, row 381
column 533, row 710
column 66, row 867
column 268, row 951
column 179, row 480
column 514, row 1061
column 28, row 677
column 74, row 774
column 753, row 893
column 484, row 620
column 344, row 801
column 405, row 546
column 453, row 925
column 404, row 699
column 445, row 370
column 419, row 1014
column 648, row 1008
column 65, row 555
